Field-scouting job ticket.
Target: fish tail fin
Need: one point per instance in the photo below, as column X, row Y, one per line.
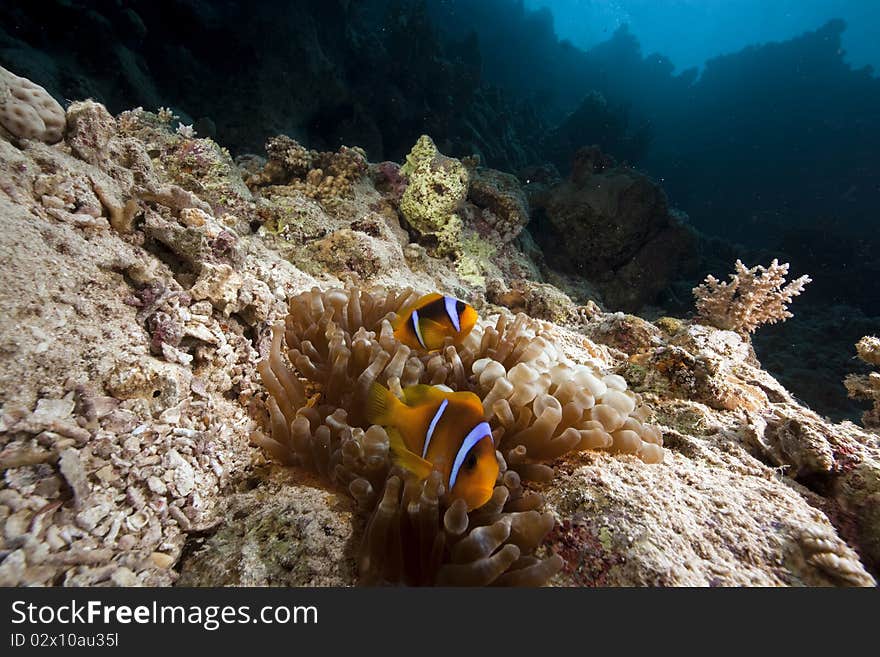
column 381, row 404
column 405, row 458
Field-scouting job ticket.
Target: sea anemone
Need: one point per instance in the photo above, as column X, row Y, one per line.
column 540, row 406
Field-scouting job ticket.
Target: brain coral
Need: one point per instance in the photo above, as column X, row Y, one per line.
column 27, row 110
column 539, row 405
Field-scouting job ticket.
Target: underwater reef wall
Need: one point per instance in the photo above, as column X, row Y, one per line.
column 325, row 72
column 136, row 346
column 486, row 77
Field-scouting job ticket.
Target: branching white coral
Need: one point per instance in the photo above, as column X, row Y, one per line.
column 186, row 130
column 867, row 386
column 753, row 297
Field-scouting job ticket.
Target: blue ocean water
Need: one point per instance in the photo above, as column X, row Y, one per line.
column 689, row 32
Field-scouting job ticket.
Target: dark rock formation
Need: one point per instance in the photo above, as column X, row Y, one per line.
column 613, row 226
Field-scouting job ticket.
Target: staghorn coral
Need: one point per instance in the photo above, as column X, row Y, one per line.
column 539, row 405
column 867, row 386
column 754, row 296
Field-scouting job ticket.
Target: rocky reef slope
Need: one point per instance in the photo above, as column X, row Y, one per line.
column 142, row 270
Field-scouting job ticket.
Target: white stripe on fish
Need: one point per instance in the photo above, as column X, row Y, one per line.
column 482, row 430
column 433, row 426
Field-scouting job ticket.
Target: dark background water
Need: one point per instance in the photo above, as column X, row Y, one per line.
column 770, row 149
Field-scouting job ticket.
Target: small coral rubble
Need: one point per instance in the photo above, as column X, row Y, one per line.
column 323, row 176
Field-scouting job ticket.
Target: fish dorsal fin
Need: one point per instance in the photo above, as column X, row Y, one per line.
column 404, row 313
column 468, row 399
column 405, row 458
column 422, row 393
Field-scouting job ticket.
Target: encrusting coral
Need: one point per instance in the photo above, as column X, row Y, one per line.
column 754, row 296
column 540, row 406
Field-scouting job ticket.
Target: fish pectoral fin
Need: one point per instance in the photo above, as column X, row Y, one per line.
column 405, row 458
column 433, row 333
column 380, row 404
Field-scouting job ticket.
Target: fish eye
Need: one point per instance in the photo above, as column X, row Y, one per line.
column 459, row 307
column 471, row 461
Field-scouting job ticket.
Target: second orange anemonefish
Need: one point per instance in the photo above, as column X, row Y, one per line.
column 431, row 319
column 436, row 429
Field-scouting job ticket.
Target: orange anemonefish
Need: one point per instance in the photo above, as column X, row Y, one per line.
column 427, row 322
column 435, row 429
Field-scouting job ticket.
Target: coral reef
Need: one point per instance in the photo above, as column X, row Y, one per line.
column 129, row 347
column 753, row 297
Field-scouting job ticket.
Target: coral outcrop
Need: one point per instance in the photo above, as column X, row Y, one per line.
column 613, row 226
column 436, row 188
column 505, row 208
column 27, row 111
